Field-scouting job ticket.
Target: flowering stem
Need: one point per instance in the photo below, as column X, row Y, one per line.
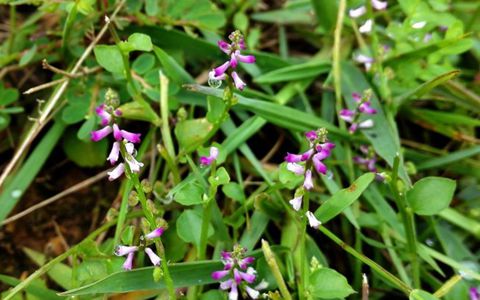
column 151, row 221
column 272, row 263
column 408, row 223
column 303, row 229
column 127, row 187
column 376, row 267
column 207, row 213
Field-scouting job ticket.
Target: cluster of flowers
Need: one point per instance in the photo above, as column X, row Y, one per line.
column 364, row 107
column 129, row 251
column 124, row 141
column 233, row 51
column 236, row 267
column 360, row 11
column 320, row 149
column 368, row 161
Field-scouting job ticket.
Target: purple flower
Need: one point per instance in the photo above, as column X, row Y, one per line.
column 217, row 275
column 367, row 61
column 233, row 50
column 153, row 257
column 116, row 172
column 208, row 160
column 243, row 263
column 222, row 68
column 232, row 285
column 357, row 12
column 128, row 264
column 296, row 203
column 366, row 108
column 293, row 158
column 379, row 5
column 130, row 252
column 133, row 164
column 308, row 182
column 474, row 294
column 311, row 135
column 347, row 115
column 100, row 134
column 105, row 117
column 124, row 250
column 366, row 27
column 155, row 233
column 114, row 153
column 351, row 116
column 234, row 263
column 239, row 84
column 312, row 220
column 295, row 168
column 317, row 162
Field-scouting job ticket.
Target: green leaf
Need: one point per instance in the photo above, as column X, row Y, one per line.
column 144, row 63
column 137, row 111
column 139, row 42
column 28, row 56
column 72, row 114
column 221, row 177
column 198, row 13
column 151, row 7
column 87, row 127
column 216, row 107
column 33, row 289
column 235, row 191
column 327, row 283
column 8, row 96
column 190, row 194
column 240, row 21
column 295, row 72
column 430, row 195
column 13, row 191
column 189, row 226
column 421, row 295
column 191, row 133
column 86, row 6
column 85, row 154
column 183, row 275
column 110, row 58
column 172, row 68
column 343, row 198
column 4, row 120
column 426, row 87
column 326, row 12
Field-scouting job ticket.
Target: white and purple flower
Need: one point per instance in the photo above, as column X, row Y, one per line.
column 208, row 160
column 240, row 275
column 363, row 107
column 233, row 50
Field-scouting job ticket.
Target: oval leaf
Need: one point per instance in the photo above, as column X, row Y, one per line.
column 189, row 225
column 343, row 198
column 189, row 194
column 431, row 195
column 326, row 283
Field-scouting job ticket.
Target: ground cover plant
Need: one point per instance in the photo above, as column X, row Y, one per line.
column 230, row 149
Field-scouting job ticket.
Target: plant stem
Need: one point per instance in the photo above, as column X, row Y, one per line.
column 303, row 233
column 408, row 222
column 165, row 129
column 376, row 267
column 272, row 263
column 207, row 213
column 153, row 224
column 127, row 187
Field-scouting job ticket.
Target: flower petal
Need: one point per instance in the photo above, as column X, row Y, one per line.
column 117, row 172
column 239, row 84
column 100, row 134
column 312, row 220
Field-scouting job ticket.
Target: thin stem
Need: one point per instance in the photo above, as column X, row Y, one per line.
column 408, row 222
column 303, row 233
column 165, row 129
column 375, row 267
column 153, row 224
column 272, row 263
column 207, row 213
column 127, row 188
